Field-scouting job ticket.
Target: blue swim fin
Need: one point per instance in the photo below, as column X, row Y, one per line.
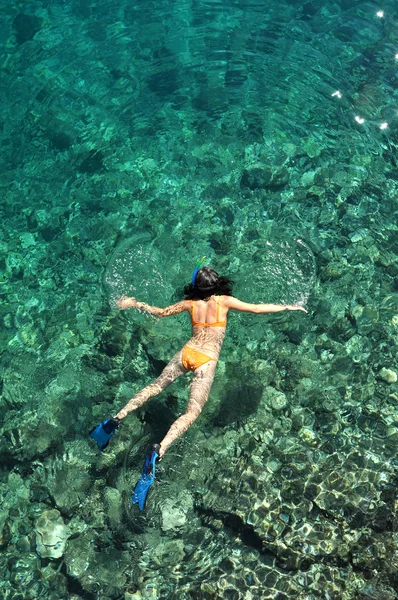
column 104, row 431
column 147, row 477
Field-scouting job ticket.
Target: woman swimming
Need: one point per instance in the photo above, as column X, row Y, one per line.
column 208, row 299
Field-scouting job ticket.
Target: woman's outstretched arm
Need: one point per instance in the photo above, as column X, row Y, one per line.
column 259, row 309
column 125, row 302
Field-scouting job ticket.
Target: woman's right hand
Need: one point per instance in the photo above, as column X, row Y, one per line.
column 125, row 302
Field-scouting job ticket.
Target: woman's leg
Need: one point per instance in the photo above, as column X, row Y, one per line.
column 199, row 393
column 173, row 370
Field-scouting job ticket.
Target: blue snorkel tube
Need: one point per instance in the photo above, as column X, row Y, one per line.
column 199, row 265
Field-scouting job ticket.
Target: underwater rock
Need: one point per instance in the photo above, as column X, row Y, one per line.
column 169, row 552
column 82, row 561
column 26, row 27
column 172, row 516
column 274, row 398
column 174, row 511
column 26, row 438
column 307, row 436
column 133, row 595
column 25, row 571
column 113, row 504
column 371, row 592
column 5, row 533
column 57, row 581
column 388, row 375
column 92, row 163
column 264, row 371
column 51, row 534
column 68, row 480
column 79, row 554
column 333, row 270
column 359, row 235
column 261, row 178
column 150, row 591
column 15, row 264
column 366, row 318
column 312, row 147
column 307, row 179
column 357, row 348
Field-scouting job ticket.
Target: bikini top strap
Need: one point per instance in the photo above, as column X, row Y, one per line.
column 218, row 308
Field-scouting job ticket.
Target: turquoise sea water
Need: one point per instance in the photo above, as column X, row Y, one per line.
column 134, row 139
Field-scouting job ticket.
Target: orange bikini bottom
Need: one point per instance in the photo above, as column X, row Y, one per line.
column 193, row 359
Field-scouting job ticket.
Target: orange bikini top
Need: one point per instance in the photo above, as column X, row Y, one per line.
column 218, row 323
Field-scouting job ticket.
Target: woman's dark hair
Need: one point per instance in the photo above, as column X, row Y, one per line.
column 208, row 283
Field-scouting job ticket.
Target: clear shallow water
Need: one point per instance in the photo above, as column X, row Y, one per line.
column 193, row 129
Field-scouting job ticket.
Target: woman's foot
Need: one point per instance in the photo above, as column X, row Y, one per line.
column 147, row 477
column 104, row 431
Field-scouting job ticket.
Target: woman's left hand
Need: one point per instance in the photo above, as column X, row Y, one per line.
column 296, row 307
column 125, row 302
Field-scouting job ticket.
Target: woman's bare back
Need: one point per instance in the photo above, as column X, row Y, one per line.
column 207, row 335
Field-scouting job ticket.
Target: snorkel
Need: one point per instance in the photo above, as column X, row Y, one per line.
column 199, row 265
